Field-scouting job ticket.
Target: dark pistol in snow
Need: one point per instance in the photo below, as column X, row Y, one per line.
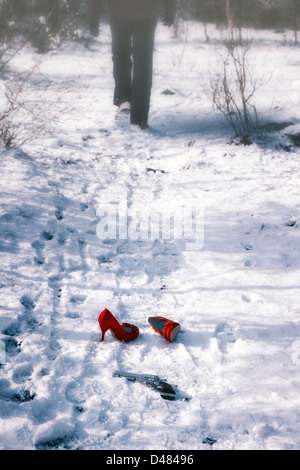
column 165, row 390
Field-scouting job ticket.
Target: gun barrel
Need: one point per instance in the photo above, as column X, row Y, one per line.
column 141, row 377
column 127, row 375
column 166, row 391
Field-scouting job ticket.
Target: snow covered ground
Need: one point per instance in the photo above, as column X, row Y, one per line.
column 235, row 363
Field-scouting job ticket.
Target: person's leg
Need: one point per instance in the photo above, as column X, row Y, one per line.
column 121, row 56
column 143, row 43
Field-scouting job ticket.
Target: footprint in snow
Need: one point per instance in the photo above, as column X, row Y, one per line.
column 27, row 302
column 25, row 321
column 60, row 206
column 38, row 246
column 77, row 299
column 11, row 345
column 224, row 334
column 8, row 394
column 74, row 393
column 52, row 349
column 83, row 206
column 22, row 373
column 14, row 329
column 49, row 232
column 59, row 214
column 47, row 235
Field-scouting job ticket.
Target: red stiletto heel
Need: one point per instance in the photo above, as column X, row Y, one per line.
column 167, row 328
column 124, row 332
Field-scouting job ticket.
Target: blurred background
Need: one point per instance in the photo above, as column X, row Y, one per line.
column 39, row 21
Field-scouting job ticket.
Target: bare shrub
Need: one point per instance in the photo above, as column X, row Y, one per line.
column 233, row 82
column 24, row 113
column 14, row 113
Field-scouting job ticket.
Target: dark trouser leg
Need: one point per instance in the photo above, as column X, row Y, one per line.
column 142, row 51
column 121, row 56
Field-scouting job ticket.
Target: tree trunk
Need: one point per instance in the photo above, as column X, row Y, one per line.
column 229, row 14
column 54, row 14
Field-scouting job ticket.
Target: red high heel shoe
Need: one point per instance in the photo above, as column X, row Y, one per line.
column 124, row 332
column 167, row 328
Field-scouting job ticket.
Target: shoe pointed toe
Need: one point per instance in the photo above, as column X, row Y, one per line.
column 157, row 323
column 165, row 327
